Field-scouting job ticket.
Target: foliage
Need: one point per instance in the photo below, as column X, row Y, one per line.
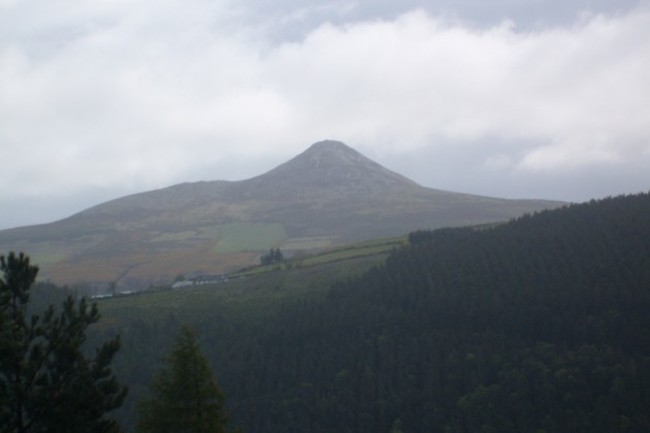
column 185, row 396
column 273, row 256
column 47, row 384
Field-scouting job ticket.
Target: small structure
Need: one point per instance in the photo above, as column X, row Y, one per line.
column 200, row 280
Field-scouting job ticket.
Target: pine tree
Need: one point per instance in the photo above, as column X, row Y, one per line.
column 47, row 384
column 274, row 256
column 185, row 394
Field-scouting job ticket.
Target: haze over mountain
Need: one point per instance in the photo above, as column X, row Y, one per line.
column 330, row 194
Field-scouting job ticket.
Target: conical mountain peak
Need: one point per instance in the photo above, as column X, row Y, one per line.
column 333, row 164
column 332, row 152
column 328, row 146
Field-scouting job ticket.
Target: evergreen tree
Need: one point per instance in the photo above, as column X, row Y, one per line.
column 273, row 256
column 47, row 384
column 185, row 395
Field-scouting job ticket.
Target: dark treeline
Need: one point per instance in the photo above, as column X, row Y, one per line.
column 538, row 325
column 273, row 256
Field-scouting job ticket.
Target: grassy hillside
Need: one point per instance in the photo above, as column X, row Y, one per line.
column 255, row 292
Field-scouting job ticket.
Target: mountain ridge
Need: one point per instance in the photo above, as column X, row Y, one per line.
column 327, row 195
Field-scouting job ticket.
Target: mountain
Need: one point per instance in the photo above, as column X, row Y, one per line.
column 330, row 194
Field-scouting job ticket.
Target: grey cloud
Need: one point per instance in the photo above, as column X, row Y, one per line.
column 293, row 19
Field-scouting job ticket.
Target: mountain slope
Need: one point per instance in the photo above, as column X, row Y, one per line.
column 330, row 194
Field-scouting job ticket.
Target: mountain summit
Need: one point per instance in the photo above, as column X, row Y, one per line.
column 325, row 169
column 329, row 194
column 332, row 164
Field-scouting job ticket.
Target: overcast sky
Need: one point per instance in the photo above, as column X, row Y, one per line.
column 520, row 99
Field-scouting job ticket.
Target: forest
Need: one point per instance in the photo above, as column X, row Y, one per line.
column 537, row 325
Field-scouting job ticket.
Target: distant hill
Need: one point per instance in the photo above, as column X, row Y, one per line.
column 328, row 195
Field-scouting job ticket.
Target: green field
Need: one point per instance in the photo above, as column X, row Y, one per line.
column 370, row 248
column 309, row 243
column 236, row 237
column 255, row 292
column 241, row 298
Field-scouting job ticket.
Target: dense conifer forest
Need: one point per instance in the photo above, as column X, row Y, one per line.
column 538, row 325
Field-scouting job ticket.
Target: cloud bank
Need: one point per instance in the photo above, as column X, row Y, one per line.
column 112, row 97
